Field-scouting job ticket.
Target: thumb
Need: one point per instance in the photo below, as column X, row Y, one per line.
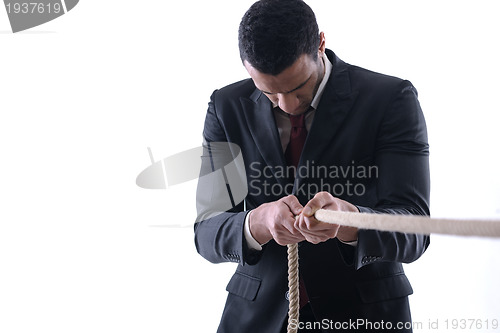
column 310, row 208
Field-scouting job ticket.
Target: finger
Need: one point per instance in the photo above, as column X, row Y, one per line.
column 293, row 204
column 315, row 238
column 319, row 201
column 315, row 231
column 303, row 227
column 311, row 224
column 284, row 230
column 283, row 237
column 303, row 223
column 290, row 225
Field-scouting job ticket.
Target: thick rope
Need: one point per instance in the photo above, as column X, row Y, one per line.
column 411, row 224
column 293, row 288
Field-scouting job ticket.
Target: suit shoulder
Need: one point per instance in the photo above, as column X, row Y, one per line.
column 365, row 78
column 243, row 88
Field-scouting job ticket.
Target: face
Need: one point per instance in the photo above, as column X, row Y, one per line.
column 294, row 88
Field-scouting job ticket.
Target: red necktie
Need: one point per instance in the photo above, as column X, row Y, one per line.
column 298, row 136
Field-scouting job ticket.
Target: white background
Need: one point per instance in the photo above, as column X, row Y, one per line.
column 83, row 96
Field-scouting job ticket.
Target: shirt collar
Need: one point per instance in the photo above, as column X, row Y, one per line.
column 321, row 88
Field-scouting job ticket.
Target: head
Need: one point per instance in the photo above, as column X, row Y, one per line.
column 280, row 46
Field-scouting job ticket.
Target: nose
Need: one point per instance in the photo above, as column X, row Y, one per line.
column 288, row 103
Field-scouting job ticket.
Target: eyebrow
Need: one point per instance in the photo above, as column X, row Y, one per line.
column 290, row 91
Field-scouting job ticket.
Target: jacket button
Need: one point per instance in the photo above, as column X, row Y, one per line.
column 287, row 295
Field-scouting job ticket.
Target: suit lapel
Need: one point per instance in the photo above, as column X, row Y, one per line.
column 336, row 102
column 260, row 119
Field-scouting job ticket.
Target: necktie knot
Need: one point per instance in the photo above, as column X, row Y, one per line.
column 298, row 121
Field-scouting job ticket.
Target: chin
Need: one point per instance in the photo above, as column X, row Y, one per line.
column 298, row 111
column 301, row 110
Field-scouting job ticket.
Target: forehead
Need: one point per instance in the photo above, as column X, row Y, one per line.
column 288, row 80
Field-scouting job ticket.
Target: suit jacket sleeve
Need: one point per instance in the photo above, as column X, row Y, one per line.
column 403, row 182
column 219, row 235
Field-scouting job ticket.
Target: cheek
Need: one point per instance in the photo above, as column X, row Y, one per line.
column 272, row 98
column 305, row 98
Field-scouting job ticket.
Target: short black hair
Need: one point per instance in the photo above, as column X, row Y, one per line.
column 273, row 34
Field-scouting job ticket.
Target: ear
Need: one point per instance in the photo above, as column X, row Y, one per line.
column 322, row 44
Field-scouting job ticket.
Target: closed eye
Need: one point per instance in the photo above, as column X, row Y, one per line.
column 287, row 92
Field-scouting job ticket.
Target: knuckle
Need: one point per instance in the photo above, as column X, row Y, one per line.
column 321, row 194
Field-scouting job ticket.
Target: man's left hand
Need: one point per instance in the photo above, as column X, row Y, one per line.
column 315, row 231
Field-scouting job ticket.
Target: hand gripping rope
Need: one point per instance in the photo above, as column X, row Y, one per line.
column 384, row 222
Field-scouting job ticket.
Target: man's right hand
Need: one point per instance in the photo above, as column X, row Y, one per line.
column 275, row 220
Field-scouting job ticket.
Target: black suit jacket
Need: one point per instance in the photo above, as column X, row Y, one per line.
column 364, row 120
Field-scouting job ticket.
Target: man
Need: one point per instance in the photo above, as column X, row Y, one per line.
column 315, row 133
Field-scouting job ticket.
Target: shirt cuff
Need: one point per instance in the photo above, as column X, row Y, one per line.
column 251, row 242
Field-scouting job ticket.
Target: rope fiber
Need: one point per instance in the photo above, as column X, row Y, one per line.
column 293, row 288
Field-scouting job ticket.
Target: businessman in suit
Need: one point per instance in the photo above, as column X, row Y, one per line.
column 362, row 148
